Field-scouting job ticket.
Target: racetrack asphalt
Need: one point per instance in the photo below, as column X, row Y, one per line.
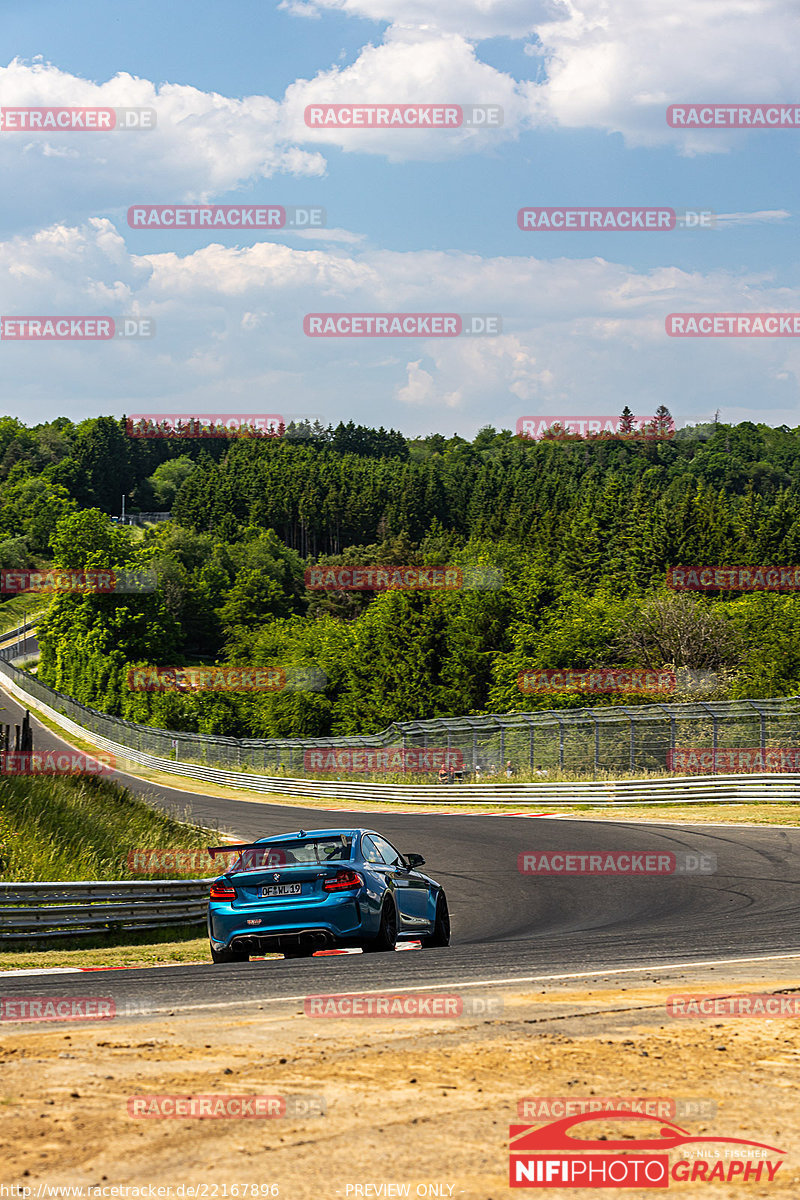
column 507, row 926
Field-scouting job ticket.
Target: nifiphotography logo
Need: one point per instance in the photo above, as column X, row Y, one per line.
column 557, row 1156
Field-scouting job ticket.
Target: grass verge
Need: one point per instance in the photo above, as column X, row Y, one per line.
column 81, row 827
column 141, row 948
column 19, row 610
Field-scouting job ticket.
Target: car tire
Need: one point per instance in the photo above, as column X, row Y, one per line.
column 441, row 924
column 229, row 954
column 387, row 932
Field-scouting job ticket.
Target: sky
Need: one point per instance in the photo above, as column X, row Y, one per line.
column 414, row 220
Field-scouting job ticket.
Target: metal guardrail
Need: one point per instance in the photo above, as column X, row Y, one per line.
column 719, row 789
column 50, row 910
column 10, row 634
column 19, row 647
column 616, row 738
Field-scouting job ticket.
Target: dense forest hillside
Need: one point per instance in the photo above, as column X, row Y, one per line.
column 581, row 533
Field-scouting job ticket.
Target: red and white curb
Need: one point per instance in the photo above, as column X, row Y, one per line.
column 45, row 971
column 358, row 950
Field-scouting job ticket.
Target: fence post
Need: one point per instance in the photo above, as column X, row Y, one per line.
column 560, row 744
column 633, row 745
column 714, row 740
column 474, row 749
column 596, row 748
column 533, row 746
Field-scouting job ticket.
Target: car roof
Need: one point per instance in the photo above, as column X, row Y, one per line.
column 306, row 833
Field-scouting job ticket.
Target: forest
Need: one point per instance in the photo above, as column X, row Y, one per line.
column 564, row 545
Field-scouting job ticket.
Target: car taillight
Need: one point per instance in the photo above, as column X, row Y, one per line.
column 342, row 881
column 222, row 891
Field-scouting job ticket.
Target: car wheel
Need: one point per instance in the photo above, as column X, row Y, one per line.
column 229, row 954
column 387, row 934
column 441, row 925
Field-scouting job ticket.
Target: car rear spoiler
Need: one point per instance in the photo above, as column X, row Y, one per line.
column 237, row 848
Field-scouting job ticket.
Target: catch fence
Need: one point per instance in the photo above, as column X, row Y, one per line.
column 589, row 741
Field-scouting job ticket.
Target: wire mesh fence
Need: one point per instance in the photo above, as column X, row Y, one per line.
column 717, row 737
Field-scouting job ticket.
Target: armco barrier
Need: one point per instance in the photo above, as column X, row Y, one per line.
column 728, row 789
column 37, row 910
column 13, row 645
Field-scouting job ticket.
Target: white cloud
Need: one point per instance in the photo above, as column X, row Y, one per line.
column 472, row 18
column 610, row 66
column 618, row 66
column 767, row 216
column 578, row 336
column 410, row 66
column 204, row 144
column 345, row 236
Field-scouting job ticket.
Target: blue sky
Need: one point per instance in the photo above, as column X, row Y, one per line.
column 415, row 221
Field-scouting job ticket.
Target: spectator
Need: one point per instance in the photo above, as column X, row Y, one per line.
column 443, row 777
column 509, row 769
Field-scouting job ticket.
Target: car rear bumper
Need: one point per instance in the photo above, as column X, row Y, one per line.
column 338, row 918
column 278, row 940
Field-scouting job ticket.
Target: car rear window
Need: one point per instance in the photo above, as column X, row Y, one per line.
column 301, row 850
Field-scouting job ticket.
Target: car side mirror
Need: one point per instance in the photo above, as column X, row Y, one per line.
column 414, row 860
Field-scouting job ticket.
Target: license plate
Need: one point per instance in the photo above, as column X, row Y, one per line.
column 282, row 889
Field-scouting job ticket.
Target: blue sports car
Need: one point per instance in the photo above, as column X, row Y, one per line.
column 305, row 891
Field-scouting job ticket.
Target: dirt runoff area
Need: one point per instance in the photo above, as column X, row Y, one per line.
column 415, row 1106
